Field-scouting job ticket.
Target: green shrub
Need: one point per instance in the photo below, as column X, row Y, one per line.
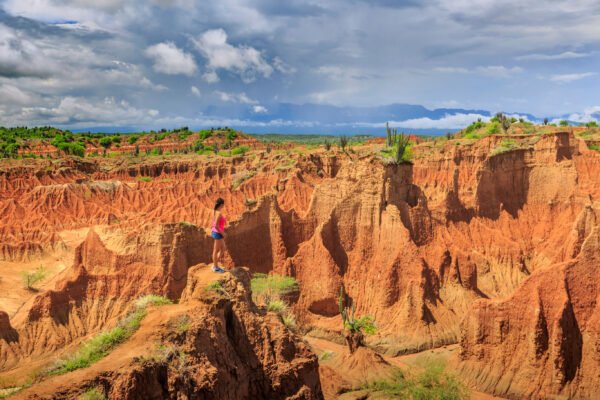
column 132, row 139
column 31, row 278
column 471, row 136
column 563, row 122
column 493, row 128
column 198, row 146
column 204, row 134
column 594, row 147
column 105, row 142
column 239, row 150
column 474, row 126
column 145, row 179
column 591, row 124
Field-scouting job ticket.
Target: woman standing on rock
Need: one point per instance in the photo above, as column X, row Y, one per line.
column 218, row 233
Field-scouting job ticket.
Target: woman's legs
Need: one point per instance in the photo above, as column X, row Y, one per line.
column 215, row 254
column 221, row 250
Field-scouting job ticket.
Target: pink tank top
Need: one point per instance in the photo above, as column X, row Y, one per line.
column 221, row 225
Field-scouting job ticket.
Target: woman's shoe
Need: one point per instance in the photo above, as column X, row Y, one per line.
column 217, row 269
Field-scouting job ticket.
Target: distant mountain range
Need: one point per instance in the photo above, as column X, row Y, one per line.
column 329, row 119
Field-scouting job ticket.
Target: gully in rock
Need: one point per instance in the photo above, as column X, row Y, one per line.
column 218, row 233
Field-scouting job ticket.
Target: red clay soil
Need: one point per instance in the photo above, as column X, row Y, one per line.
column 227, row 350
column 465, row 231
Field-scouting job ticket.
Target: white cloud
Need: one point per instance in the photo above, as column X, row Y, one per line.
column 494, row 71
column 448, row 121
column 282, row 67
column 80, row 112
column 259, row 109
column 568, row 78
column 14, row 96
column 195, row 91
column 498, row 71
column 245, row 61
column 589, row 114
column 235, row 98
column 210, row 77
column 170, row 60
column 452, row 70
column 551, row 57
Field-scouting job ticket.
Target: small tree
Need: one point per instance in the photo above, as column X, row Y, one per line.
column 545, row 121
column 327, row 144
column 31, row 278
column 506, row 122
column 355, row 327
column 564, row 122
column 343, row 142
column 105, row 142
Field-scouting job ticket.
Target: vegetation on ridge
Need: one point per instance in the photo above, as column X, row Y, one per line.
column 100, row 345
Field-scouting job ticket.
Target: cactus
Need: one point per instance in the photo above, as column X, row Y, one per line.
column 354, row 326
column 388, row 135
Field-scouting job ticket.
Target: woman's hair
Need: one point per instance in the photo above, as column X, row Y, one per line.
column 219, row 203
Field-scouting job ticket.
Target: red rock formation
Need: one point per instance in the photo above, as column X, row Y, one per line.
column 413, row 245
column 229, row 351
column 544, row 340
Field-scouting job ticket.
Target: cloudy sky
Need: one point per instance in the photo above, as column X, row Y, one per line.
column 254, row 63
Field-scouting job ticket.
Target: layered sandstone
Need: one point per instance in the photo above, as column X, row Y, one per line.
column 506, row 239
column 229, row 350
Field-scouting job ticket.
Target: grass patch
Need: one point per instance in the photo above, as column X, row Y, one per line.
column 289, row 321
column 5, row 393
column 93, row 394
column 152, row 300
column 182, row 324
column 505, row 146
column 240, row 150
column 241, row 178
column 326, row 355
column 433, row 383
column 145, row 179
column 595, row 147
column 269, row 287
column 277, row 306
column 103, row 343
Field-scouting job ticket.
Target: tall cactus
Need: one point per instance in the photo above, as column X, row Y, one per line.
column 388, row 135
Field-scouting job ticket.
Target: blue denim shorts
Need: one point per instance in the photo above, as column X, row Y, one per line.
column 216, row 235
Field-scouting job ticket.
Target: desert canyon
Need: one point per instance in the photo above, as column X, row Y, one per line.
column 490, row 259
